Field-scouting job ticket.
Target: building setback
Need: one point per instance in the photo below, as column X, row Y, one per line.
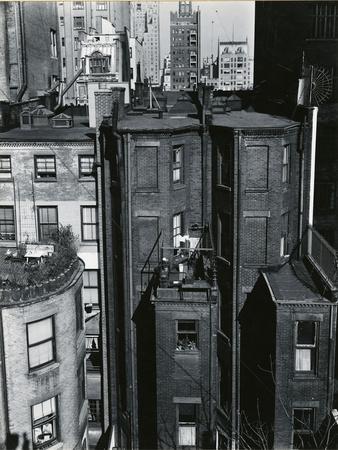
column 185, row 49
column 145, row 26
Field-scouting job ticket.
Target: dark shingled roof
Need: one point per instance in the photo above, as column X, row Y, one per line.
column 292, row 283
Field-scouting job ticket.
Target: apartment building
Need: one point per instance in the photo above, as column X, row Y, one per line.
column 47, row 180
column 43, row 390
column 145, row 26
column 235, row 71
column 185, row 51
column 76, row 21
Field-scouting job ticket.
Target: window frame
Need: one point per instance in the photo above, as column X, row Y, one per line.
column 40, row 234
column 93, row 362
column 53, row 43
column 98, row 410
column 82, row 174
column 90, row 288
column 78, row 5
column 101, row 6
column 312, row 347
column 5, row 170
column 84, row 224
column 53, row 417
column 50, row 339
column 37, row 174
column 184, row 424
column 177, row 230
column 286, row 164
column 76, row 25
column 285, row 233
column 193, row 332
column 79, row 310
column 305, row 432
column 177, row 164
column 5, row 222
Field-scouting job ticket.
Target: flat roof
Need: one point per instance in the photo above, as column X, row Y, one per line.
column 152, row 122
column 245, row 119
column 292, row 283
column 79, row 133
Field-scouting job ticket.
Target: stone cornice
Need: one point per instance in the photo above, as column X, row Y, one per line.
column 46, row 144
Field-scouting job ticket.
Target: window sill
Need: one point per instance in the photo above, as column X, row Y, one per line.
column 187, row 352
column 223, row 187
column 86, row 179
column 90, row 243
column 304, row 376
column 6, row 180
column 258, row 190
column 50, row 446
column 44, row 369
column 46, row 180
column 178, row 186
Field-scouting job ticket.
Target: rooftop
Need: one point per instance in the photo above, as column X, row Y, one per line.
column 245, row 119
column 292, row 284
column 152, row 122
column 30, row 272
column 79, row 133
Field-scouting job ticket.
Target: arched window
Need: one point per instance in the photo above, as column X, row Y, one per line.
column 99, row 63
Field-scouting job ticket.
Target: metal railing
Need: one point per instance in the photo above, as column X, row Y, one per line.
column 322, row 255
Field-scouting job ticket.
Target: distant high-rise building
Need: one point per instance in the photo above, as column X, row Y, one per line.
column 76, row 20
column 166, row 73
column 145, row 25
column 235, row 72
column 185, row 47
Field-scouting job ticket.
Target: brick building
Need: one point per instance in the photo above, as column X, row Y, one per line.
column 30, row 60
column 185, row 48
column 42, row 352
column 308, row 48
column 157, row 167
column 47, row 180
column 256, row 219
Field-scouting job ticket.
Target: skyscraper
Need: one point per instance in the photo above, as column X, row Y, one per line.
column 145, row 25
column 185, row 47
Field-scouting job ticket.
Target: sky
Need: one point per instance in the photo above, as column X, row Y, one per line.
column 227, row 16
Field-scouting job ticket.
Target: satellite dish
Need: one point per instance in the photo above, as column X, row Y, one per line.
column 321, row 85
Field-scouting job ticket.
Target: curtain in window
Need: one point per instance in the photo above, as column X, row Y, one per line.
column 303, row 359
column 187, row 435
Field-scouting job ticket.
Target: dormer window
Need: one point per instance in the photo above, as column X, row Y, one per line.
column 99, row 63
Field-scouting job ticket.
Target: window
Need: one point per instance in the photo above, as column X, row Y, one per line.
column 62, row 21
column 186, row 424
column 53, row 47
column 325, row 20
column 303, row 427
column 286, row 164
column 177, row 163
column 7, row 226
column 79, row 310
column 41, row 342
column 76, row 63
column 101, row 6
column 92, row 353
column 94, row 411
column 186, row 335
column 78, row 22
column 63, row 62
column 284, row 240
column 91, row 287
column 45, row 167
column 44, row 418
column 98, row 63
column 86, row 163
column 88, row 223
column 47, row 222
column 78, row 5
column 177, row 228
column 76, row 43
column 306, row 346
column 223, row 166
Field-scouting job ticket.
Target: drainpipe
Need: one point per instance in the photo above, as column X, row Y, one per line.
column 134, row 422
column 314, row 110
column 301, row 189
column 23, row 54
